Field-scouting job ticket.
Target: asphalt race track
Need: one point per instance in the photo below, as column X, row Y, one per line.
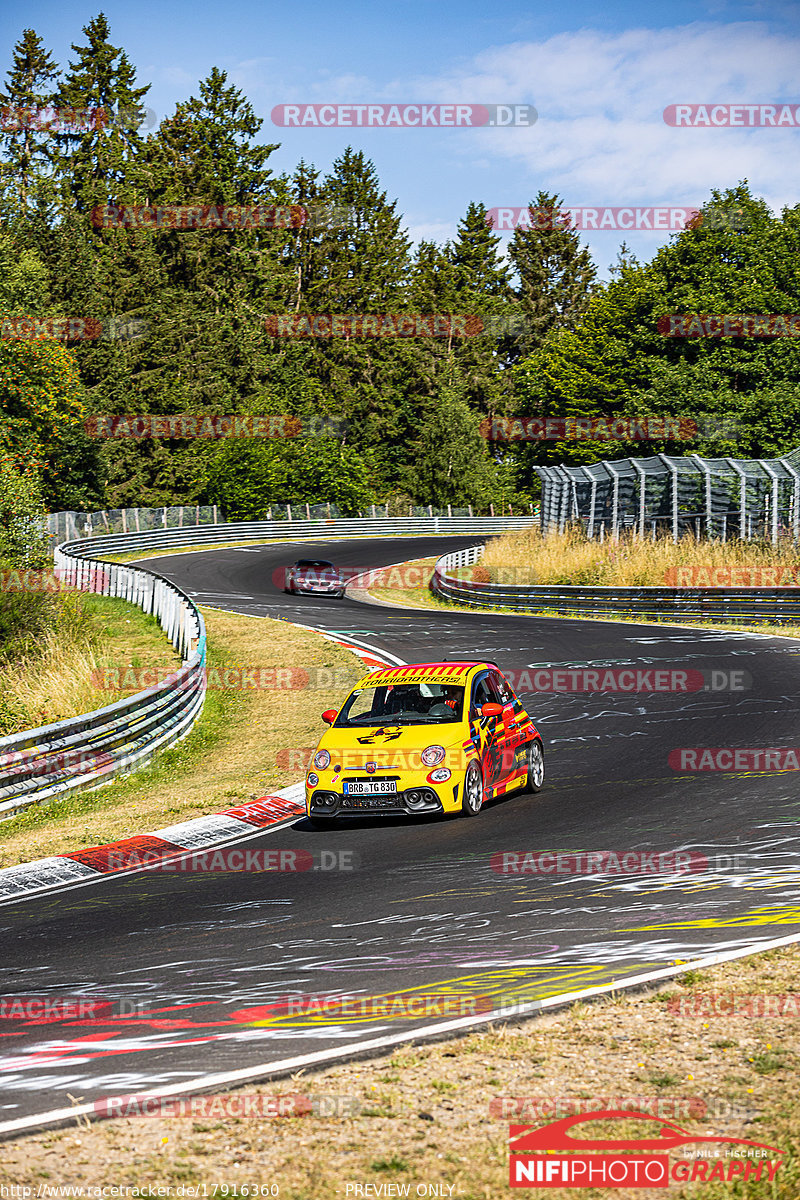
column 198, row 959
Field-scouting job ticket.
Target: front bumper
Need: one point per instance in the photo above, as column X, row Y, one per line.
column 415, row 801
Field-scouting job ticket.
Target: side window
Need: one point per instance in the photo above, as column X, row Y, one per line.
column 500, row 687
column 481, row 694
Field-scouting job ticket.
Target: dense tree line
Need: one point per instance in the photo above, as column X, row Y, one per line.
column 406, row 413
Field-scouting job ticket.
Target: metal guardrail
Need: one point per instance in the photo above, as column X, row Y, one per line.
column 39, row 765
column 780, row 606
column 242, row 531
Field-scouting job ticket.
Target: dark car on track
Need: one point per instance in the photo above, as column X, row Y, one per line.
column 315, row 577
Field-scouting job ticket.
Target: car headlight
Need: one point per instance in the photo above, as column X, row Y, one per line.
column 439, row 776
column 322, row 759
column 432, row 755
column 313, row 779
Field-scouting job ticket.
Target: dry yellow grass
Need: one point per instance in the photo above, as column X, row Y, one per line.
column 64, row 676
column 526, row 557
column 240, row 748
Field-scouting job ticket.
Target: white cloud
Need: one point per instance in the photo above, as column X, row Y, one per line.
column 601, row 137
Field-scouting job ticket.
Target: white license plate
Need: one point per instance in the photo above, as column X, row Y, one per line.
column 371, row 787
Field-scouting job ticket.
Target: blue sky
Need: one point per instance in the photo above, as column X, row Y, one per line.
column 599, row 79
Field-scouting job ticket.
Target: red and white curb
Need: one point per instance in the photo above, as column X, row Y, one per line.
column 283, row 807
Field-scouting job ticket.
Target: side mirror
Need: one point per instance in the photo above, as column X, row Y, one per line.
column 492, row 710
column 330, row 714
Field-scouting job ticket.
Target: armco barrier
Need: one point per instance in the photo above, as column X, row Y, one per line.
column 776, row 605
column 344, row 527
column 41, row 764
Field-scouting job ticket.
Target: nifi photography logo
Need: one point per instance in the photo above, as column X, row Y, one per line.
column 553, row 1156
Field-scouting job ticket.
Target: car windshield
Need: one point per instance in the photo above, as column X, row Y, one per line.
column 306, row 564
column 403, row 704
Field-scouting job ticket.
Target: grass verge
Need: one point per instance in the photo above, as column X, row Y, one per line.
column 526, row 557
column 426, row 1112
column 93, row 643
column 247, row 741
column 420, row 596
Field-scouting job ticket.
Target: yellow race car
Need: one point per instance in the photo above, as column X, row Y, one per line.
column 425, row 738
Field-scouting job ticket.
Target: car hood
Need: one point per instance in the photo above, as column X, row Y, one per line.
column 388, row 745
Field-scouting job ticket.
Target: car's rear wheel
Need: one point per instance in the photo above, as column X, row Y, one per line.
column 535, row 766
column 472, row 795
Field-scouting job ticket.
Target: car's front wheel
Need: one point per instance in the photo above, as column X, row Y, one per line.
column 535, row 766
column 472, row 795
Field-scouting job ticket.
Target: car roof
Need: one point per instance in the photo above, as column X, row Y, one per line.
column 313, row 562
column 436, row 669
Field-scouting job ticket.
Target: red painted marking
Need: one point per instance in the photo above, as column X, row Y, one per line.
column 267, row 810
column 98, row 857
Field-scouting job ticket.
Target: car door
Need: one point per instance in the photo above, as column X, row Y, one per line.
column 507, row 732
column 485, row 729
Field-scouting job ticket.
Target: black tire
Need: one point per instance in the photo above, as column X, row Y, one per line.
column 472, row 792
column 535, row 766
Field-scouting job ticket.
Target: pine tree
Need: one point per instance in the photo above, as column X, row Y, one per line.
column 99, row 152
column 24, row 132
column 452, row 462
column 556, row 274
column 204, row 153
column 483, row 288
column 479, row 270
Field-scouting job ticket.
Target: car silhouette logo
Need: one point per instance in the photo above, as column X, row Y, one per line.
column 528, row 1139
